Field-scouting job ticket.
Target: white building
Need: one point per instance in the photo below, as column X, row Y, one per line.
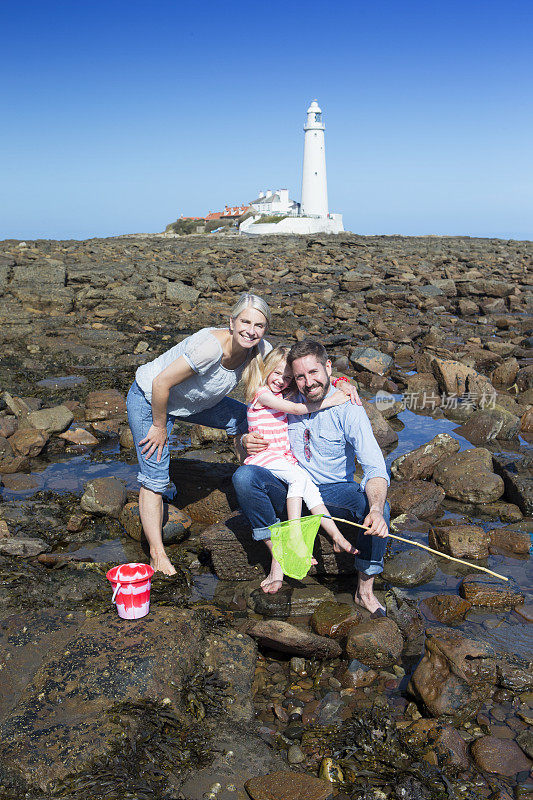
column 312, row 215
column 274, row 203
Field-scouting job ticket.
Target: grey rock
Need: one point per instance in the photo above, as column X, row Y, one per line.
column 51, row 420
column 412, row 567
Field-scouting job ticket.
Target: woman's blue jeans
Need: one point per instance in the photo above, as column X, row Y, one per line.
column 229, row 414
column 263, row 499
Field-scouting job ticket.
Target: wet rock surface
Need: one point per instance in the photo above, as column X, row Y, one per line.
column 437, row 335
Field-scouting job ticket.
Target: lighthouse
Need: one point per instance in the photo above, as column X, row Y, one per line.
column 314, row 183
column 311, row 215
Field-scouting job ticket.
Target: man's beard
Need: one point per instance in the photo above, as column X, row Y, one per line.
column 317, row 398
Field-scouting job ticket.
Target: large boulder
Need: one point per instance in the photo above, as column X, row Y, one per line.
column 420, row 463
column 416, row 498
column 377, row 643
column 488, row 424
column 460, row 540
column 468, row 476
column 412, row 567
column 65, row 716
column 236, row 556
column 454, row 675
column 104, row 496
column 51, row 420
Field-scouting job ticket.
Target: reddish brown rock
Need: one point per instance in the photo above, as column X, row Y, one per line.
column 28, row 442
column 505, row 374
column 454, row 675
column 468, row 477
column 79, row 436
column 288, row 786
column 525, row 611
column 451, row 375
column 422, row 393
column 355, row 676
column 460, row 540
column 489, row 592
column 19, row 482
column 510, row 540
column 377, row 643
column 334, row 619
column 526, row 421
column 418, row 498
column 451, row 748
column 446, row 607
column 104, row 404
column 420, row 463
column 499, row 756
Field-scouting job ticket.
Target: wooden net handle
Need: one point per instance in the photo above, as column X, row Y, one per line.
column 429, row 549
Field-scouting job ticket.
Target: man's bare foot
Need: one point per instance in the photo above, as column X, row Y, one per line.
column 368, row 601
column 161, row 563
column 342, row 545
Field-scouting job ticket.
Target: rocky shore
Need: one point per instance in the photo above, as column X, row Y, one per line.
column 223, row 692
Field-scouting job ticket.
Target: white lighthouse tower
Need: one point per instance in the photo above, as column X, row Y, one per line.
column 312, row 216
column 314, row 183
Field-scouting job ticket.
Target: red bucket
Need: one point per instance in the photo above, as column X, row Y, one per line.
column 131, row 589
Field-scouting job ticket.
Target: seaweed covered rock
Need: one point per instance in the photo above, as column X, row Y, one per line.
column 66, row 717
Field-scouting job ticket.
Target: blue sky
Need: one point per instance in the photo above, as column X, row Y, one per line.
column 120, row 116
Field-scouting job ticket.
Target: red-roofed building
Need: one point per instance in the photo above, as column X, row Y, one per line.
column 230, row 212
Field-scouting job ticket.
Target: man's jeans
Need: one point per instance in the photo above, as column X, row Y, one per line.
column 263, row 498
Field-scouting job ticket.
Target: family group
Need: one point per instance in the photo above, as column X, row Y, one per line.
column 297, row 438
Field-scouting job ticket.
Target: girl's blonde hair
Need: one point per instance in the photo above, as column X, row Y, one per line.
column 253, row 381
column 252, row 371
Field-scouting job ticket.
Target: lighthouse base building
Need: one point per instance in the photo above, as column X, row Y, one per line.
column 276, row 214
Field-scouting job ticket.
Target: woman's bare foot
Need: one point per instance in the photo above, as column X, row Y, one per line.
column 161, row 563
column 342, row 545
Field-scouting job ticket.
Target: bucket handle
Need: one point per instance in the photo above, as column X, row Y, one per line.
column 115, row 592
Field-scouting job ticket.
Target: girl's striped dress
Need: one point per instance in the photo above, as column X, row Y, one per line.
column 272, row 425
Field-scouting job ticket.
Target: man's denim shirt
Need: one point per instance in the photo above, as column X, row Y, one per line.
column 338, row 436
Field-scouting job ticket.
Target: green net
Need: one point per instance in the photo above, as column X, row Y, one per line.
column 292, row 544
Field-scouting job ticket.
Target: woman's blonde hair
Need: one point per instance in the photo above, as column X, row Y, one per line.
column 252, row 371
column 258, row 378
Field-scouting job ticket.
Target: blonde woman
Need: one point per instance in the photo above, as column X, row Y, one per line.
column 191, row 382
column 267, row 416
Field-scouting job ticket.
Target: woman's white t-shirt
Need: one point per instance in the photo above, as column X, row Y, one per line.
column 210, row 383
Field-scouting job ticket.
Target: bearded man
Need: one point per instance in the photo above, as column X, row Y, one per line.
column 326, row 443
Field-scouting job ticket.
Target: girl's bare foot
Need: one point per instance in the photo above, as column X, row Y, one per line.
column 274, row 580
column 161, row 563
column 342, row 545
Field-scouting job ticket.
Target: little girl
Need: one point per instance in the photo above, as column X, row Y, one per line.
column 267, row 414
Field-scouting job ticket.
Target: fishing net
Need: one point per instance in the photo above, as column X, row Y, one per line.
column 292, row 544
